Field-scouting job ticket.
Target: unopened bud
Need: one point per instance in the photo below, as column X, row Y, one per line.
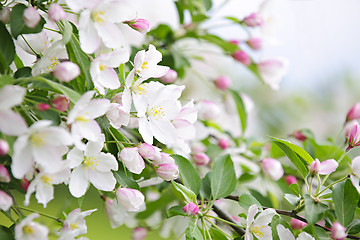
column 254, row 20
column 5, row 201
column 297, row 224
column 354, row 137
column 129, row 198
column 208, row 110
column 223, row 143
column 255, row 43
column 61, row 103
column 299, row 136
column 164, row 158
column 31, row 17
column 201, row 159
column 5, row 15
column 272, row 168
column 139, row 233
column 223, row 82
column 149, row 151
column 323, row 168
column 167, row 171
column 56, row 12
column 140, row 25
column 66, row 71
column 24, row 184
column 4, row 174
column 290, row 180
column 4, row 147
column 169, row 77
column 191, row 209
column 242, row 57
column 235, row 41
column 354, row 112
column 338, row 231
column 42, row 107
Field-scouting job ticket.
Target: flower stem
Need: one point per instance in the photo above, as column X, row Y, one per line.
column 220, row 219
column 331, row 184
column 42, row 214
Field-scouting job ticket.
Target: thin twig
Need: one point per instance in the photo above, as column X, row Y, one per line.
column 226, row 217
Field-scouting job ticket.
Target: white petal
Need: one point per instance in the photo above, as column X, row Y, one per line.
column 12, row 123
column 355, row 166
column 57, row 136
column 305, row 236
column 11, row 95
column 106, row 163
column 145, row 130
column 48, row 157
column 74, row 158
column 253, row 209
column 30, row 190
column 110, row 34
column 104, row 181
column 89, row 37
column 94, row 148
column 80, row 105
column 164, row 131
column 97, row 108
column 328, row 166
column 118, row 11
column 264, row 218
column 89, row 130
column 109, row 79
column 132, row 160
column 284, row 233
column 44, row 193
column 22, row 160
column 78, row 182
column 115, row 58
column 355, row 181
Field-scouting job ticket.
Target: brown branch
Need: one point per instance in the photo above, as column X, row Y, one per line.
column 291, row 214
column 226, row 217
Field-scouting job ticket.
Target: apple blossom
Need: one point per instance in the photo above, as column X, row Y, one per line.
column 61, row 103
column 74, row 224
column 5, row 15
column 149, row 151
column 11, row 123
column 338, row 231
column 31, row 17
column 223, row 143
column 4, row 174
column 242, row 57
column 191, row 209
column 132, row 160
column 354, row 112
column 42, row 106
column 141, row 25
column 56, row 12
column 164, row 158
column 66, row 71
column 201, row 159
column 285, row 234
column 290, row 179
column 254, row 20
column 29, row 230
column 167, row 171
column 273, row 70
column 259, row 226
column 198, row 147
column 116, row 213
column 102, row 69
column 82, row 115
column 353, row 137
column 323, row 168
column 272, row 168
column 255, row 43
column 24, row 184
column 4, row 147
column 297, row 224
column 5, row 201
column 222, row 82
column 39, row 42
column 169, row 77
column 41, row 144
column 355, row 175
column 117, row 115
column 208, row 110
column 91, row 165
column 139, row 233
column 43, row 185
column 131, row 199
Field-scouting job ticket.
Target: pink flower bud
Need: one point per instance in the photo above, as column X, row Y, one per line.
column 222, row 82
column 354, row 137
column 235, row 41
column 31, row 17
column 56, row 12
column 5, row 201
column 208, row 110
column 61, row 103
column 4, row 147
column 201, row 159
column 24, row 184
column 299, row 136
column 272, row 168
column 242, row 57
column 164, row 158
column 168, row 171
column 42, row 107
column 338, row 231
column 66, row 71
column 149, row 151
column 254, row 20
column 323, row 168
column 297, row 224
column 290, row 180
column 139, row 233
column 5, row 15
column 255, row 43
column 315, row 166
column 169, row 77
column 4, row 174
column 354, row 112
column 223, row 143
column 131, row 199
column 191, row 209
column 140, row 25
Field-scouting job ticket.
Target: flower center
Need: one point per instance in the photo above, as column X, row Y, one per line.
column 46, row 179
column 90, row 162
column 54, row 61
column 256, row 231
column 98, row 16
column 82, row 119
column 141, row 89
column 144, row 65
column 156, row 111
column 28, row 230
column 37, row 139
column 74, row 225
column 102, row 67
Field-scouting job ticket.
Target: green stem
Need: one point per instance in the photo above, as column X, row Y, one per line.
column 121, row 145
column 42, row 214
column 220, row 219
column 214, row 225
column 37, row 55
column 331, row 184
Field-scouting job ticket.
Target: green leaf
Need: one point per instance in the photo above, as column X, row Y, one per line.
column 207, row 4
column 193, row 232
column 354, row 227
column 175, row 211
column 246, row 200
column 216, row 234
column 66, row 31
column 5, row 79
column 7, row 49
column 276, row 220
column 189, row 175
column 23, row 72
column 225, row 45
column 346, row 198
column 292, row 199
column 240, row 109
column 188, row 195
column 205, row 190
column 313, row 210
column 5, row 233
column 223, row 179
column 298, row 156
column 295, row 188
column 125, row 179
column 17, row 24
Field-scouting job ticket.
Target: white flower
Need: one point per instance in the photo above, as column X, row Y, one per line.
column 131, row 199
column 117, row 115
column 29, row 230
column 285, row 234
column 273, row 70
column 115, row 212
column 74, row 224
column 5, row 201
column 66, row 71
column 102, row 69
column 91, row 165
column 97, row 23
column 355, row 176
column 82, row 116
column 259, row 226
column 132, row 160
column 39, row 42
column 11, row 123
column 41, row 144
column 43, row 185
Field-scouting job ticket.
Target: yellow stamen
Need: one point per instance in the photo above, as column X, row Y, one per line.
column 37, row 139
column 46, row 179
column 141, row 89
column 90, row 162
column 157, row 112
column 28, row 230
column 98, row 16
column 256, row 231
column 74, row 225
column 54, row 61
column 102, row 67
column 82, row 119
